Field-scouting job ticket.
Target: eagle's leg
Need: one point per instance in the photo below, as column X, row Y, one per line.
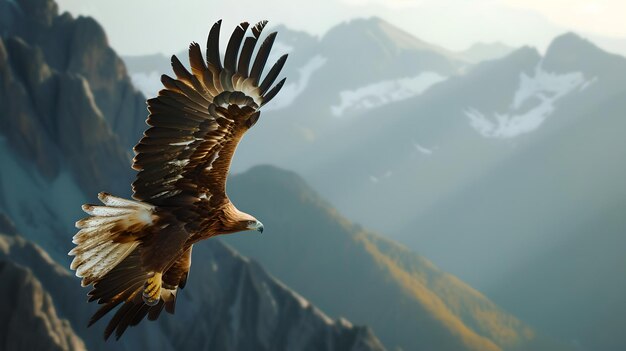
column 152, row 290
column 160, row 249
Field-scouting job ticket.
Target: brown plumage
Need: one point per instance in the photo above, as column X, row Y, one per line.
column 137, row 253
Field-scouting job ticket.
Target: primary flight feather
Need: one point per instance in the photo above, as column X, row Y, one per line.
column 137, row 253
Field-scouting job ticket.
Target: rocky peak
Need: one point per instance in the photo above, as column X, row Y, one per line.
column 53, row 118
column 374, row 31
column 79, row 46
column 234, row 298
column 570, row 52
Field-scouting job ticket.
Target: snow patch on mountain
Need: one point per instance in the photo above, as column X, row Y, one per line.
column 385, row 92
column 291, row 91
column 541, row 91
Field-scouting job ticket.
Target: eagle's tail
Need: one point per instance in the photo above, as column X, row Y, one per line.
column 108, row 236
column 125, row 285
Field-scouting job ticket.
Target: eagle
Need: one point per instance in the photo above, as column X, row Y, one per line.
column 137, row 253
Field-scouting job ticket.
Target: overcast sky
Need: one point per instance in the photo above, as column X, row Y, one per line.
column 149, row 26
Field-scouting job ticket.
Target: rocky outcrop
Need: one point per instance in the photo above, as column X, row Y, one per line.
column 246, row 309
column 79, row 46
column 230, row 303
column 68, row 119
column 28, row 319
column 51, row 117
column 65, row 96
column 20, row 123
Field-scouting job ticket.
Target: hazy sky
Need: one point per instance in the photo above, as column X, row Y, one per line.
column 148, row 26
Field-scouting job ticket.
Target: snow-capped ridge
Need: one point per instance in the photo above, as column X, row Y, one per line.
column 543, row 89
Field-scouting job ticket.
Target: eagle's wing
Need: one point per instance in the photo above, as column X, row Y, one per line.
column 198, row 119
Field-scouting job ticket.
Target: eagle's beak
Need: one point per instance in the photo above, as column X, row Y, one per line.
column 258, row 226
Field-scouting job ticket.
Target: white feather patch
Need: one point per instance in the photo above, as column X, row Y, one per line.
column 182, row 143
column 96, row 221
column 97, row 252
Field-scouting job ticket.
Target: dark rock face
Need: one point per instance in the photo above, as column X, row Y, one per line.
column 20, row 122
column 65, row 96
column 51, row 118
column 230, row 303
column 28, row 319
column 79, row 46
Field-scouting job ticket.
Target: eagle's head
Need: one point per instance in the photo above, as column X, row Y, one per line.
column 238, row 221
column 254, row 224
column 247, row 222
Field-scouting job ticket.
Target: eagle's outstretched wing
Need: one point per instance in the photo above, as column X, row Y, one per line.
column 198, row 119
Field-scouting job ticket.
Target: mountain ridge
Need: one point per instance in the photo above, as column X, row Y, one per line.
column 301, row 324
column 363, row 269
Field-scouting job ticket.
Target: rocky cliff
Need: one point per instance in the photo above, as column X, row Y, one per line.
column 230, row 303
column 68, row 118
column 78, row 46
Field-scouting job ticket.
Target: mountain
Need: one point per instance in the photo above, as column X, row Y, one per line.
column 485, row 168
column 538, row 190
column 342, row 267
column 578, row 263
column 51, row 120
column 76, row 46
column 60, row 143
column 433, row 157
column 69, row 117
column 580, row 271
column 485, row 51
column 232, row 304
column 487, row 182
column 28, row 320
column 410, row 155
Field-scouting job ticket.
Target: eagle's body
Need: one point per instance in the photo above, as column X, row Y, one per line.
column 137, row 253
